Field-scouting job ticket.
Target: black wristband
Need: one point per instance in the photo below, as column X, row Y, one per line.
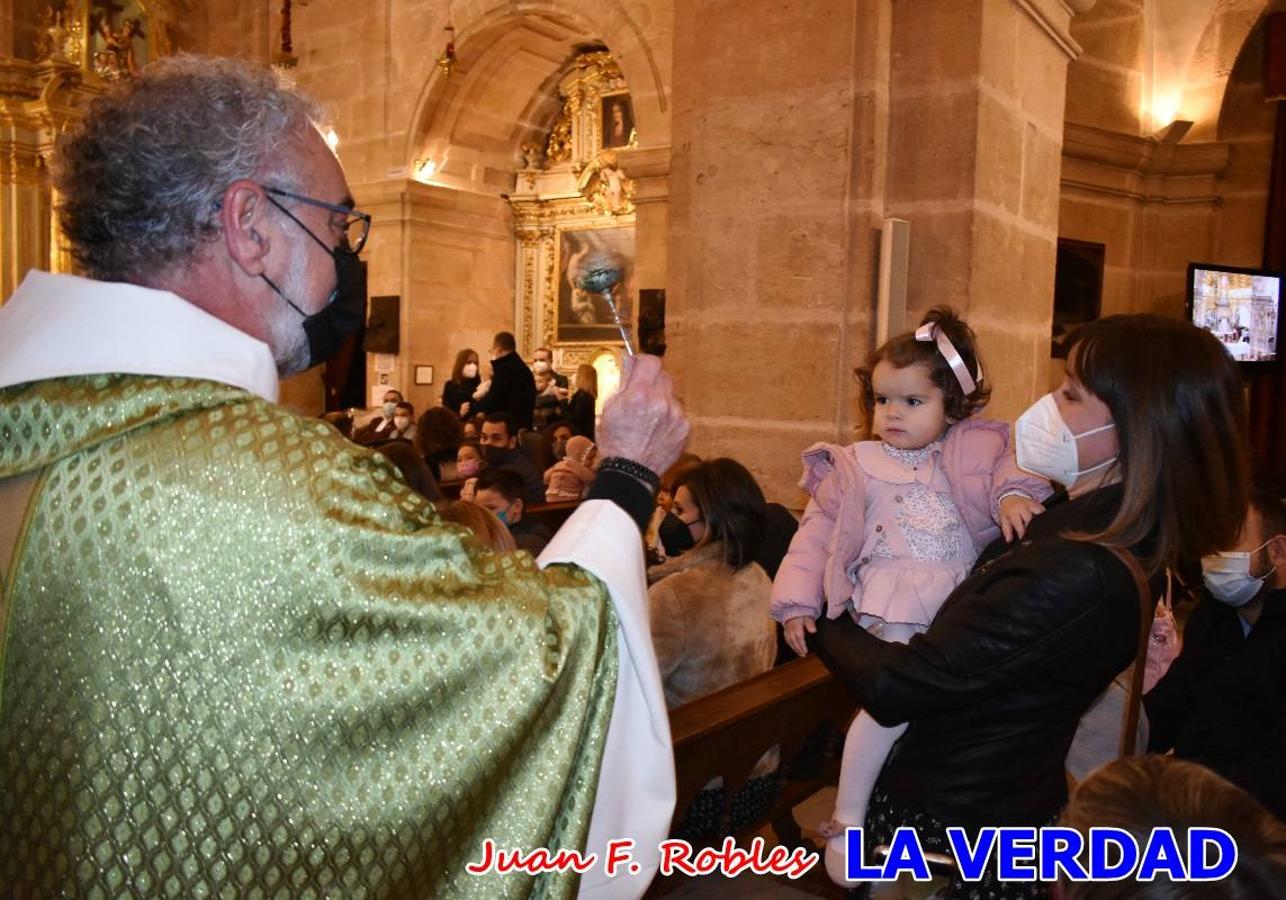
column 630, row 467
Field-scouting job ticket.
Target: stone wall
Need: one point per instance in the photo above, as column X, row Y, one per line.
column 977, row 112
column 793, row 142
column 1157, row 206
column 775, row 195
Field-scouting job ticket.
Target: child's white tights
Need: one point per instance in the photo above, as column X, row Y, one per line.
column 866, row 747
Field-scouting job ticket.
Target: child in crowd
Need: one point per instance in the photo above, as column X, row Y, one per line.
column 571, row 477
column 501, row 491
column 404, row 422
column 481, row 521
column 468, row 460
column 893, row 525
column 468, row 465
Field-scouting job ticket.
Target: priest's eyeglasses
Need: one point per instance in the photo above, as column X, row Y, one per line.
column 356, row 227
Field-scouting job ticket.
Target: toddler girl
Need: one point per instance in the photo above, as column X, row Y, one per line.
column 570, row 478
column 468, row 465
column 893, row 525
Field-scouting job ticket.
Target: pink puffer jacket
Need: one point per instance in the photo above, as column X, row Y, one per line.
column 979, row 465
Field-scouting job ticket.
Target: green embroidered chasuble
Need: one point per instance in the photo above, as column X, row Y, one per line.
column 242, row 659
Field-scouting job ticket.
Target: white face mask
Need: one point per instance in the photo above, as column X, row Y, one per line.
column 540, row 366
column 1047, row 447
column 470, row 370
column 400, row 422
column 389, row 409
column 1228, row 577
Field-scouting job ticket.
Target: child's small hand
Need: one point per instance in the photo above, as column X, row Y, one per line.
column 795, row 629
column 1016, row 513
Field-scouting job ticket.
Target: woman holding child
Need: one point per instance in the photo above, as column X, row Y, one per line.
column 988, row 682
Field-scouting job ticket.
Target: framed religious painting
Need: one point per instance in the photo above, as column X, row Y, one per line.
column 617, row 119
column 583, row 316
column 123, row 36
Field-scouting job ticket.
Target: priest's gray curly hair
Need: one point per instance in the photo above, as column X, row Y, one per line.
column 142, row 176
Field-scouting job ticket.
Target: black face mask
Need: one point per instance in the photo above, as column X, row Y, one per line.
column 343, row 315
column 345, row 311
column 675, row 535
column 494, row 455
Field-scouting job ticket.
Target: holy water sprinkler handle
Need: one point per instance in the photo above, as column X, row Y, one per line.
column 600, row 281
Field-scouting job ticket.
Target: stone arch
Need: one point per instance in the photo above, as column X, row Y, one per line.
column 1242, row 110
column 1209, row 85
column 503, row 90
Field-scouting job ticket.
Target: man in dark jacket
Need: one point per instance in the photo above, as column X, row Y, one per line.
column 1223, row 702
column 500, row 449
column 513, row 388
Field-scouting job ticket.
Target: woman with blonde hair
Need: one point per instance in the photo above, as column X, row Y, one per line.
column 580, row 411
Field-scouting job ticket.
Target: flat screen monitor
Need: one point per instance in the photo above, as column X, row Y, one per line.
column 1241, row 307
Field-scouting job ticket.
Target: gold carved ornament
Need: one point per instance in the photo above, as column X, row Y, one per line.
column 559, row 146
column 605, row 187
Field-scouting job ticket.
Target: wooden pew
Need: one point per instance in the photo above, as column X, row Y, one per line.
column 798, row 707
column 552, row 514
column 451, row 489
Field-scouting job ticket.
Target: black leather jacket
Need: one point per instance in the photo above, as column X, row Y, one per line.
column 994, row 689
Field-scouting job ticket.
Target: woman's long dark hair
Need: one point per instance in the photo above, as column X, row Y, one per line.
column 1176, row 398
column 732, row 505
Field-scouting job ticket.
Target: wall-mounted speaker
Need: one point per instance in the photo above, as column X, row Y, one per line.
column 890, row 301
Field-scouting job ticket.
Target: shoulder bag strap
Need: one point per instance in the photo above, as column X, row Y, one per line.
column 1130, row 726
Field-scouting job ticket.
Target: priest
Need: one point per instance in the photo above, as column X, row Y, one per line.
column 240, row 656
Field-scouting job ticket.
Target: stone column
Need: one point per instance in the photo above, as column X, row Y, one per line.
column 779, row 131
column 977, row 96
column 649, row 167
column 797, row 128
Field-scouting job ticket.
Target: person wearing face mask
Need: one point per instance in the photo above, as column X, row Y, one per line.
column 542, row 360
column 709, row 613
column 1146, row 427
column 464, row 381
column 403, row 422
column 709, row 606
column 204, row 591
column 382, row 427
column 499, row 441
column 501, row 492
column 1221, row 702
column 666, row 536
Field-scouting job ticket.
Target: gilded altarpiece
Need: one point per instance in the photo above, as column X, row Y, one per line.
column 81, row 46
column 571, row 203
